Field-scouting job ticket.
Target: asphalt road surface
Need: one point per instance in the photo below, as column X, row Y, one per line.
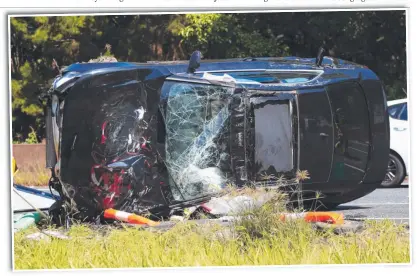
column 383, row 203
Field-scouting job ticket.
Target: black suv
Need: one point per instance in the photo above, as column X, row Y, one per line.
column 152, row 136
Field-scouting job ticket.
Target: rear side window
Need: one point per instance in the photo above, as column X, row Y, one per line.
column 394, row 110
column 403, row 115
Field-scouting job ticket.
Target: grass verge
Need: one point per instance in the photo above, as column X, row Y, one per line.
column 258, row 238
column 188, row 244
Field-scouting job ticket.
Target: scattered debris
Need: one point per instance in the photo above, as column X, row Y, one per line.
column 228, row 218
column 176, row 218
column 233, row 205
column 38, row 236
column 25, row 221
column 47, row 235
column 346, row 227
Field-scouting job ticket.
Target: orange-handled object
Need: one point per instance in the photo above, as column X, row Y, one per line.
column 128, row 217
column 328, row 217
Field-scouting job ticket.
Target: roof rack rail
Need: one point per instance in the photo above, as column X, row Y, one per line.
column 166, row 62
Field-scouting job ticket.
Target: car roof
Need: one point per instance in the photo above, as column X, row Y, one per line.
column 332, row 70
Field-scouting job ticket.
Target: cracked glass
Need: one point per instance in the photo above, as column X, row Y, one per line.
column 196, row 121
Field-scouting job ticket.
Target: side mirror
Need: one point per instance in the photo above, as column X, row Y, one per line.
column 194, row 63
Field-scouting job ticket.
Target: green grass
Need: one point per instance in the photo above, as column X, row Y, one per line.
column 190, row 245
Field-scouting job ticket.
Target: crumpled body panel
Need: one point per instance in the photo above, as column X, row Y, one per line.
column 108, row 157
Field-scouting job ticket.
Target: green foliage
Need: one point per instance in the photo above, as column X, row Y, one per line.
column 40, row 45
column 200, row 27
column 397, row 90
column 32, row 138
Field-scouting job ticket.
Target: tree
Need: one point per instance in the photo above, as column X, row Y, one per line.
column 40, row 46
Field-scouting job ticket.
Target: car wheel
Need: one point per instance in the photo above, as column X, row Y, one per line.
column 395, row 172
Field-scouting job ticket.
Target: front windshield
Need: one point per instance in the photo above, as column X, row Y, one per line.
column 196, row 123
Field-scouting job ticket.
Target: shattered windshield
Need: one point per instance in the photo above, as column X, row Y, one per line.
column 196, row 127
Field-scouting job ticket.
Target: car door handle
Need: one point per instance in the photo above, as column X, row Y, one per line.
column 400, row 129
column 324, row 134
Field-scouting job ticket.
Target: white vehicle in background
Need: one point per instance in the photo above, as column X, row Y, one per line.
column 399, row 143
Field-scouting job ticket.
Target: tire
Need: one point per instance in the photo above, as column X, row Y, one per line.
column 395, row 172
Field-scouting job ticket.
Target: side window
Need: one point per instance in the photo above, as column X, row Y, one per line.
column 403, row 115
column 394, row 110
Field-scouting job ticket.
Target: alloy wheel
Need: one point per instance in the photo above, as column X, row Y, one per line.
column 391, row 171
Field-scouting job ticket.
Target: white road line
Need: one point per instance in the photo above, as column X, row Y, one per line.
column 363, row 218
column 374, row 204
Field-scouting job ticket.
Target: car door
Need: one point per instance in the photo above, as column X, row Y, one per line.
column 352, row 132
column 316, row 134
column 400, row 133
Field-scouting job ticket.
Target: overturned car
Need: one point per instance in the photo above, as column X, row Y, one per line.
column 152, row 137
